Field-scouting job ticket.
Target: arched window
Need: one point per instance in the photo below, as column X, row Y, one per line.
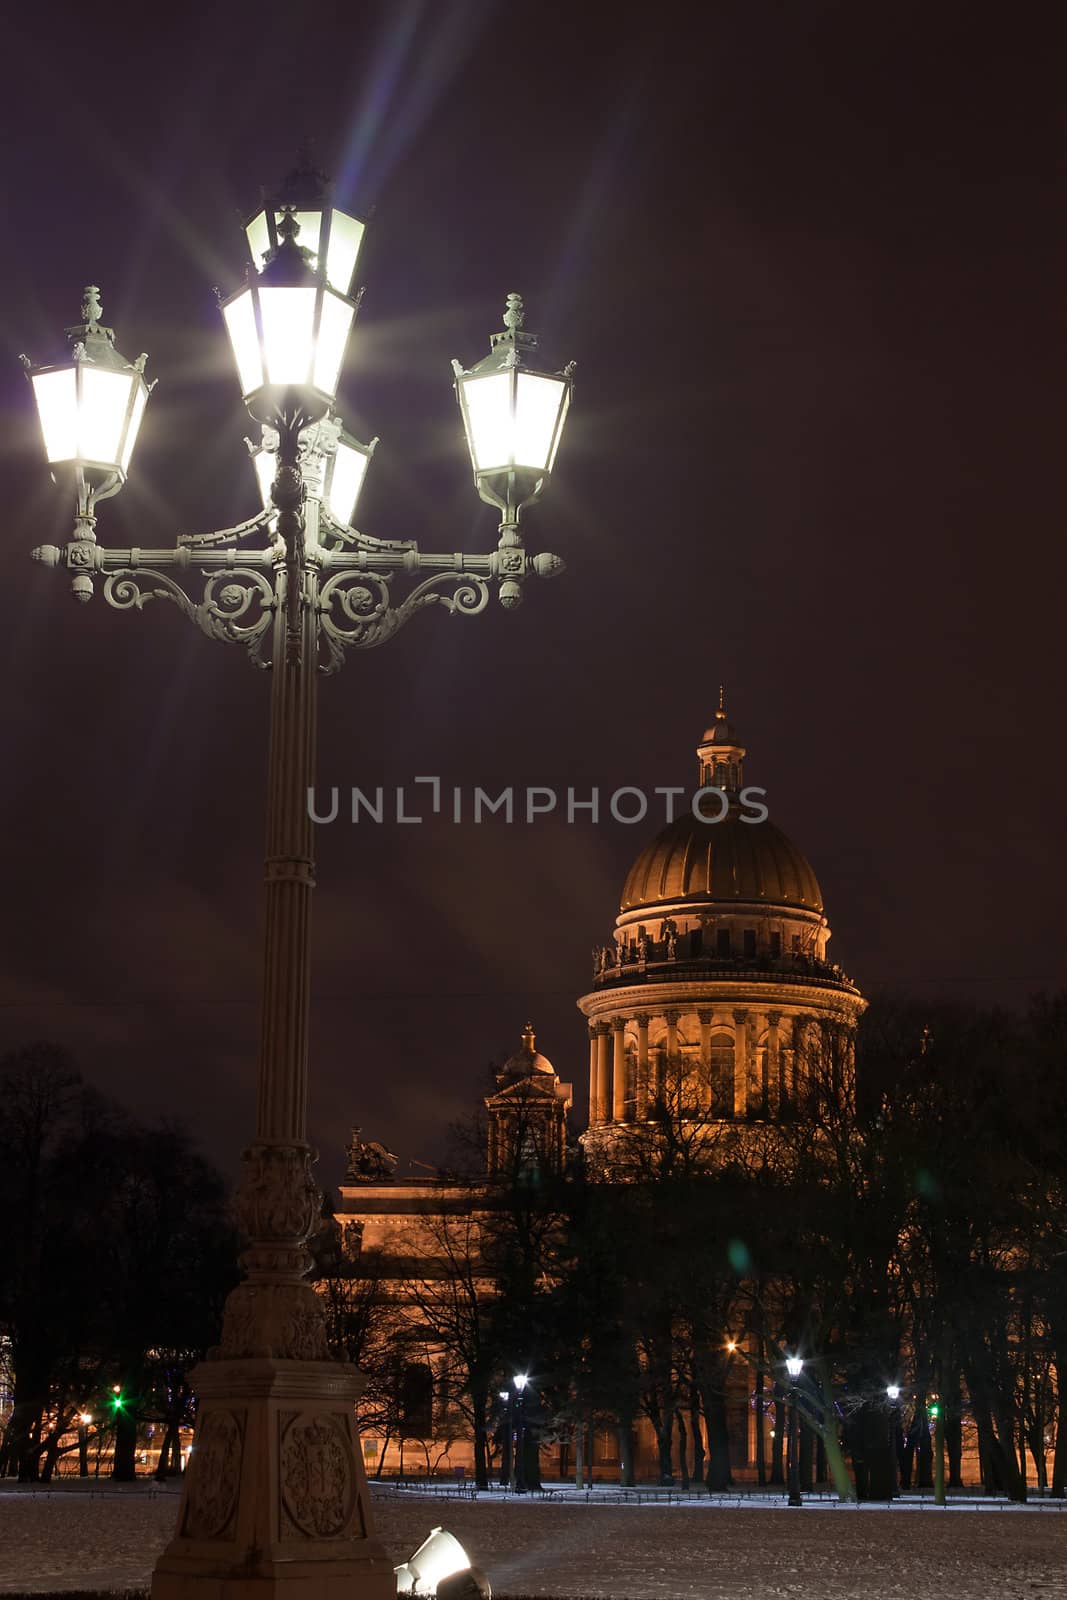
column 722, row 1075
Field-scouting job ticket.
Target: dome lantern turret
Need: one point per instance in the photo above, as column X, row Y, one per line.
column 720, row 753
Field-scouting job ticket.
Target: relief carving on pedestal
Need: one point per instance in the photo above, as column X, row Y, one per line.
column 279, row 1320
column 318, row 1476
column 214, row 1477
column 278, row 1199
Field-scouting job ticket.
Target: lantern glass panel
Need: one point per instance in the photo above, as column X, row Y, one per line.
column 309, row 231
column 537, row 408
column 140, row 395
column 346, row 237
column 57, row 405
column 105, row 399
column 349, row 469
column 288, row 333
column 258, row 239
column 241, row 327
column 489, row 425
column 334, row 325
column 266, row 464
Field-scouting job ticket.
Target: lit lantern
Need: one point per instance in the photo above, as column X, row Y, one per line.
column 334, row 466
column 289, row 324
column 513, row 416
column 91, row 406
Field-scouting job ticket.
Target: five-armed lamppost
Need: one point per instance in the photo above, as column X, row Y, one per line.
column 276, row 1494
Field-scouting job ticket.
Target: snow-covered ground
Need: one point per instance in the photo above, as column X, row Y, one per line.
column 74, row 1538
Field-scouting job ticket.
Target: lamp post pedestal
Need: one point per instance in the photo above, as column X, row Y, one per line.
column 275, row 1499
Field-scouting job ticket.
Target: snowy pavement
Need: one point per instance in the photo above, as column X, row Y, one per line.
column 74, row 1538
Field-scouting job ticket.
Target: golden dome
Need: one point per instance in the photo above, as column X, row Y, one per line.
column 728, row 860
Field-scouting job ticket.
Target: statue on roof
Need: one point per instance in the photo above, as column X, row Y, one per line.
column 368, row 1162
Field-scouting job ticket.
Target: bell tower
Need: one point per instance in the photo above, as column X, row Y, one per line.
column 527, row 1116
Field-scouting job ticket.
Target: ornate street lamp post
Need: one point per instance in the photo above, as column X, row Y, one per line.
column 794, row 1366
column 520, row 1381
column 276, row 1496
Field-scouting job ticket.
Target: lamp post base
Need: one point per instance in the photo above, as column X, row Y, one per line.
column 275, row 1500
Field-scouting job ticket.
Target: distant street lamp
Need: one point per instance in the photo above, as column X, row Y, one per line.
column 506, row 1455
column 276, row 1491
column 794, row 1366
column 520, row 1381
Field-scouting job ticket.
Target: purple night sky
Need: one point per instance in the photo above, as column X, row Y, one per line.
column 812, row 263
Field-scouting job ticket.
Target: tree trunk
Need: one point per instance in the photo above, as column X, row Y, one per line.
column 124, row 1462
column 579, row 1455
column 697, row 1431
column 718, row 1477
column 924, row 1449
column 778, row 1447
column 481, row 1461
column 683, row 1450
column 761, row 1449
column 954, row 1449
column 51, row 1456
column 806, row 1461
column 1059, row 1458
column 165, row 1465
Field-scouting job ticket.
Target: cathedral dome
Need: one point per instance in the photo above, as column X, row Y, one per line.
column 732, row 860
column 527, row 1061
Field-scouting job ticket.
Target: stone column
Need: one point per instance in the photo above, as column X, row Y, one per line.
column 741, row 1066
column 673, row 1084
column 775, row 1086
column 603, row 1073
column 618, row 1070
column 704, row 1018
column 593, row 1116
column 642, row 1066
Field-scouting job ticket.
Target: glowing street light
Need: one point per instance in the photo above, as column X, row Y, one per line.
column 334, row 467
column 513, row 416
column 893, row 1391
column 290, row 323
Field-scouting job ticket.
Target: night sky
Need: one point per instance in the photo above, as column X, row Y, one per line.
column 811, row 261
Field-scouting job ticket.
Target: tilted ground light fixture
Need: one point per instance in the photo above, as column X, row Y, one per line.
column 441, row 1567
column 296, row 586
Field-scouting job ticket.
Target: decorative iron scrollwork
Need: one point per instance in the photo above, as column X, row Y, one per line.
column 357, row 612
column 237, row 606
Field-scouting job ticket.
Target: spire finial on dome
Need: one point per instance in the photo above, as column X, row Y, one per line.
column 528, row 1041
column 721, row 713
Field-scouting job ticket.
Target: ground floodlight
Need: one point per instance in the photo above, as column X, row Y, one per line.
column 470, row 1585
column 441, row 1566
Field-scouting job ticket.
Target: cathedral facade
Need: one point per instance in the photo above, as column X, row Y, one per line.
column 702, row 1009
